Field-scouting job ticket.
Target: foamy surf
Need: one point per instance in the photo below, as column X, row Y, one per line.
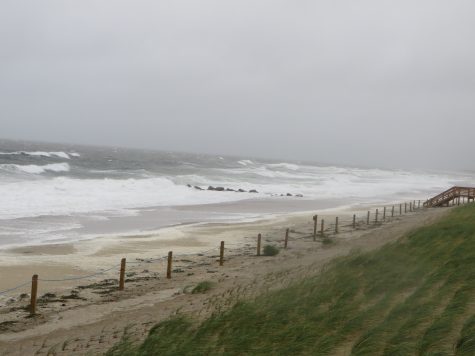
column 36, row 169
column 37, row 190
column 65, row 196
column 42, row 154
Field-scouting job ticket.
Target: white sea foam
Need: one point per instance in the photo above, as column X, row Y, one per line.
column 42, row 154
column 63, row 195
column 36, row 169
column 334, row 182
column 288, row 166
column 39, row 195
column 245, row 162
column 38, row 227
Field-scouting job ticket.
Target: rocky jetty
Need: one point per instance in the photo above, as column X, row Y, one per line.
column 240, row 190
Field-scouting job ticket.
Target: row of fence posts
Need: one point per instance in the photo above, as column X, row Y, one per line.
column 412, row 207
column 123, row 262
column 34, row 281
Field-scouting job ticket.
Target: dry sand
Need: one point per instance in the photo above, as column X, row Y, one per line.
column 88, row 316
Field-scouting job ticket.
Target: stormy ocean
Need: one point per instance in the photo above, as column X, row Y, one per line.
column 56, row 192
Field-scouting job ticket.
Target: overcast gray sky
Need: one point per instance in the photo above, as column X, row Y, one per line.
column 378, row 83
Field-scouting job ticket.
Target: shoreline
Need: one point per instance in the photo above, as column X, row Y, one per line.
column 87, row 305
column 67, row 229
column 74, row 259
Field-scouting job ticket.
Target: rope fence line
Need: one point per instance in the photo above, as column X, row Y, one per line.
column 14, row 288
column 324, row 231
column 80, row 277
column 101, row 272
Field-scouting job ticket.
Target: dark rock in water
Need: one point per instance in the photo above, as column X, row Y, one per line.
column 230, row 190
column 188, row 185
column 289, row 195
column 199, row 188
column 282, row 195
column 241, row 190
column 218, row 189
column 299, row 195
column 253, row 191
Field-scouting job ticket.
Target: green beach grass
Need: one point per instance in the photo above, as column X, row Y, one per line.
column 412, row 297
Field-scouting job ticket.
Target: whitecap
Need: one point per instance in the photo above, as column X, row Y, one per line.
column 65, row 195
column 245, row 162
column 36, row 169
column 59, row 154
column 288, row 166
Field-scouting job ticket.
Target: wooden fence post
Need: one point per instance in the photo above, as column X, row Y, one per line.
column 400, row 209
column 392, row 212
column 286, row 241
column 336, row 225
column 376, row 217
column 354, row 221
column 405, row 208
column 322, row 226
column 169, row 264
column 315, row 222
column 384, row 214
column 122, row 274
column 367, row 219
column 221, row 253
column 34, row 292
column 258, row 244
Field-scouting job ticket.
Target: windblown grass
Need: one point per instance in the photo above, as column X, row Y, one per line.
column 270, row 250
column 414, row 296
column 202, row 287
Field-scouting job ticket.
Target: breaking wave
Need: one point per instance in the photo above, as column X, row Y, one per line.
column 63, row 155
column 288, row 166
column 245, row 162
column 36, row 169
column 64, row 195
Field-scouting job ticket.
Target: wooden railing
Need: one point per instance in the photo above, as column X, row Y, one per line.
column 451, row 195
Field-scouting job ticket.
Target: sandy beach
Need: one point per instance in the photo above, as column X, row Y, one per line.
column 76, row 316
column 162, row 159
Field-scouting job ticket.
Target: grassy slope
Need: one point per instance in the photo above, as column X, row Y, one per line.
column 415, row 296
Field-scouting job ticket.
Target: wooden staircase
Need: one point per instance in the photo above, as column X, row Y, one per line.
column 451, row 195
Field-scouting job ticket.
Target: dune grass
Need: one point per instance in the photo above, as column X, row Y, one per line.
column 270, row 250
column 202, row 287
column 414, row 296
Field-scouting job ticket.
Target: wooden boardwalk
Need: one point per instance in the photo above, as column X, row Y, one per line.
column 453, row 195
